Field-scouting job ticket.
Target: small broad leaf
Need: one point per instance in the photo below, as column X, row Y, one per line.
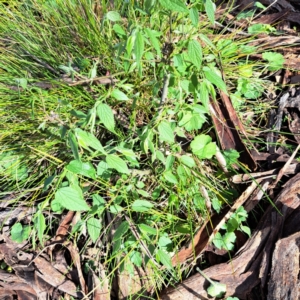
column 188, row 161
column 71, row 199
column 216, row 289
column 166, row 132
column 121, row 230
column 83, row 168
column 117, row 163
column 154, row 40
column 139, row 47
column 87, row 139
column 22, row 82
column 214, row 79
column 203, row 147
column 19, row 233
column 246, row 229
column 119, row 95
column 136, row 258
column 174, row 5
column 210, row 9
column 113, row 16
column 164, row 258
column 195, row 53
column 94, row 228
column 147, row 229
column 141, row 205
column 194, row 16
column 106, row 116
column 276, row 60
column 115, row 208
column 170, row 177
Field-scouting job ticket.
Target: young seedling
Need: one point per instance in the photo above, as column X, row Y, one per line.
column 215, row 289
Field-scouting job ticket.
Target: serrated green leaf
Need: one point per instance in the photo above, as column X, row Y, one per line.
column 276, row 60
column 82, row 168
column 170, row 177
column 141, row 205
column 113, row 16
column 174, row 5
column 187, row 160
column 94, row 228
column 164, row 258
column 192, row 121
column 210, row 9
column 121, row 230
column 119, row 95
column 136, row 258
column 166, row 132
column 203, row 147
column 195, row 53
column 19, row 233
column 106, row 116
column 214, row 79
column 117, row 163
column 194, row 16
column 139, row 47
column 87, row 139
column 71, row 199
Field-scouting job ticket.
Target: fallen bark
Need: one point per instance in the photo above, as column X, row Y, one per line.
column 248, row 271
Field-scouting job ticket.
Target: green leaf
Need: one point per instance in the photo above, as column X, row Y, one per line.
column 83, row 168
column 192, row 120
column 40, row 225
column 210, row 9
column 170, row 177
column 204, row 95
column 194, row 16
column 106, row 116
column 216, row 289
column 115, row 208
column 276, row 60
column 174, row 5
column 169, row 162
column 231, row 156
column 19, row 233
column 164, row 258
column 22, row 82
column 187, row 160
column 87, row 139
column 139, row 47
column 136, row 258
column 154, row 40
column 214, row 78
column 166, row 132
column 195, row 53
column 94, row 228
column 147, row 229
column 73, row 145
column 119, row 95
column 117, row 163
column 141, row 205
column 246, row 229
column 121, row 230
column 102, row 168
column 71, row 199
column 203, row 147
column 113, row 16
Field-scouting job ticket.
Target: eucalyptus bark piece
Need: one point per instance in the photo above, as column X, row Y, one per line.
column 247, row 272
